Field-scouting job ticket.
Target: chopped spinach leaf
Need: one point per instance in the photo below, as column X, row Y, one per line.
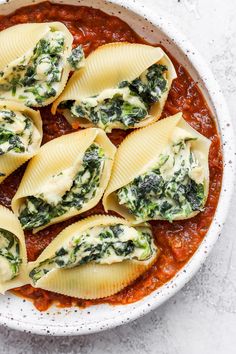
column 112, row 111
column 76, row 57
column 152, row 88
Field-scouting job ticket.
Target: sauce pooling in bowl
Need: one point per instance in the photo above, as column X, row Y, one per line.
column 178, row 240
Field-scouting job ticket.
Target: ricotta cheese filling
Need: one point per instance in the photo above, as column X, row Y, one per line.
column 17, row 132
column 10, row 259
column 36, row 76
column 68, row 190
column 172, row 188
column 124, row 106
column 101, row 245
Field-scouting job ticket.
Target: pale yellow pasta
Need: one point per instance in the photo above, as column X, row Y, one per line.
column 17, row 40
column 106, row 68
column 91, row 280
column 17, row 45
column 142, row 149
column 63, row 157
column 10, row 223
column 11, row 160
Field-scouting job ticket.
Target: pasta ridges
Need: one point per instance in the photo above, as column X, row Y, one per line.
column 93, row 281
column 9, row 222
column 17, row 40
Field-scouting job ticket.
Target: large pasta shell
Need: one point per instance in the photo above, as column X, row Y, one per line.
column 20, row 40
column 17, row 40
column 89, row 281
column 111, row 64
column 9, row 222
column 58, row 155
column 10, row 161
column 139, row 152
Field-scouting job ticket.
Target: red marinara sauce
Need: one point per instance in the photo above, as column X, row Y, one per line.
column 177, row 241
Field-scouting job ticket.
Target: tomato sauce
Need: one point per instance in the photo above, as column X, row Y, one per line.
column 177, row 241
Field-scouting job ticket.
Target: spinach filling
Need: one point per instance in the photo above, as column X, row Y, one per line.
column 37, row 211
column 111, row 111
column 151, row 85
column 76, row 58
column 167, row 191
column 102, row 245
column 16, row 130
column 130, row 103
column 9, row 255
column 35, row 79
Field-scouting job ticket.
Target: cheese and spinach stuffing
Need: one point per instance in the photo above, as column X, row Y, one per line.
column 10, row 259
column 124, row 106
column 65, row 191
column 101, row 245
column 173, row 188
column 36, row 76
column 16, row 132
column 76, row 58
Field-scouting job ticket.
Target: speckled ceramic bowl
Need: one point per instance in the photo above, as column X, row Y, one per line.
column 20, row 314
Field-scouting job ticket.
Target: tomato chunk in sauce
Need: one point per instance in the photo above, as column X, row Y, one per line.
column 177, row 241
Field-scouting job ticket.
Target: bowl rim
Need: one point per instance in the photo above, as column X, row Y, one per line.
column 143, row 306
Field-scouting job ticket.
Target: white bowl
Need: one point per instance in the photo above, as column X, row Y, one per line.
column 20, row 314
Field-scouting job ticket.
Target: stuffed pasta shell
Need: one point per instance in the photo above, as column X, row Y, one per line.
column 94, row 258
column 160, row 173
column 34, row 65
column 122, row 86
column 12, row 252
column 20, row 136
column 67, row 177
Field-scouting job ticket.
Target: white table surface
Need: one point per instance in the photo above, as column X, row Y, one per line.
column 202, row 317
